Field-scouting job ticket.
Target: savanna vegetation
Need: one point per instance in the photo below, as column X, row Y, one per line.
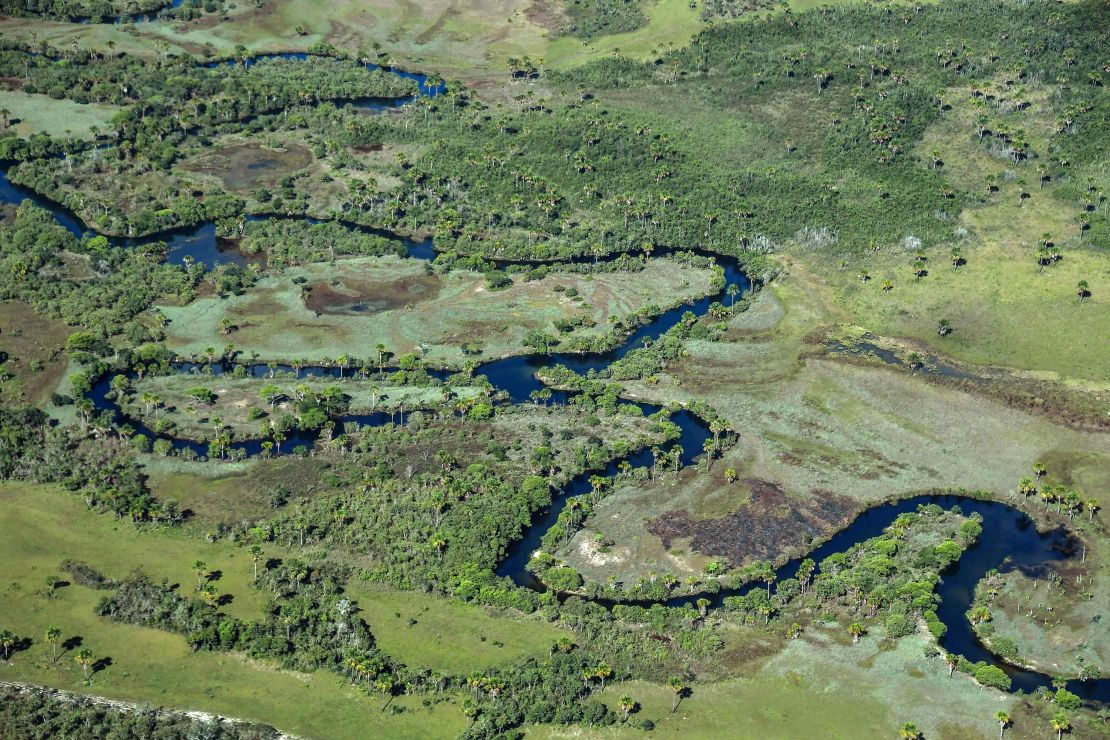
column 290, row 432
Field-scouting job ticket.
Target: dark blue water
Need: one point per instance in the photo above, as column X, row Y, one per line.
column 1010, row 541
column 126, row 17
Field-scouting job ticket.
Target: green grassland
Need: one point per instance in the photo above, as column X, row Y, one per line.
column 236, row 397
column 1005, row 309
column 422, row 630
column 408, row 308
column 45, row 525
column 820, row 685
column 41, row 114
column 473, row 40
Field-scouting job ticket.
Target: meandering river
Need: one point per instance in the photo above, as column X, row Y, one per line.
column 1010, row 540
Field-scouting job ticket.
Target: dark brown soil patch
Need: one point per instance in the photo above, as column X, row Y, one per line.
column 547, row 14
column 766, row 527
column 246, row 167
column 11, row 83
column 367, row 148
column 34, row 347
column 369, row 297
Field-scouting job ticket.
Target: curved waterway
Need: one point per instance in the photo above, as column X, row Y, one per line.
column 198, row 243
column 1010, row 540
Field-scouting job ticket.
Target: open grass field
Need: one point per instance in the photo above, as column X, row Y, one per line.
column 44, row 525
column 472, row 40
column 41, row 114
column 35, row 349
column 357, row 303
column 423, row 630
column 230, row 493
column 235, row 398
column 1055, row 617
column 819, row 440
column 821, row 686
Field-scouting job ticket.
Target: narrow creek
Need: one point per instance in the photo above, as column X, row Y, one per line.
column 1010, row 540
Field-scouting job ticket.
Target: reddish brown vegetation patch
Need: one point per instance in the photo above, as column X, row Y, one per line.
column 372, row 296
column 764, row 528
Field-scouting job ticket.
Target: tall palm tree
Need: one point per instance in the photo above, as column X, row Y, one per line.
column 909, row 731
column 381, row 358
column 85, row 659
column 855, row 629
column 53, row 637
column 7, row 641
column 1061, row 724
column 627, row 704
column 678, row 688
column 1003, row 722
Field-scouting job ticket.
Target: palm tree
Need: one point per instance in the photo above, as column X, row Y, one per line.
column 384, row 684
column 733, row 289
column 730, row 475
column 1061, row 724
column 1092, row 507
column 627, row 704
column 256, row 558
column 979, row 614
column 1083, row 290
column 85, row 659
column 855, row 629
column 201, row 570
column 53, row 637
column 953, row 661
column 602, row 672
column 909, row 731
column 678, row 688
column 944, row 327
column 470, row 710
column 381, row 358
column 7, row 640
column 1003, row 722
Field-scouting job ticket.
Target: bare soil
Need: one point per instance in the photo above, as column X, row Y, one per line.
column 367, row 297
column 246, row 167
column 758, row 528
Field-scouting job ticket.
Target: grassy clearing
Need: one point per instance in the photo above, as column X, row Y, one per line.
column 423, row 630
column 236, row 398
column 42, row 114
column 819, row 686
column 35, row 348
column 44, row 525
column 1053, row 616
column 1005, row 310
column 361, row 302
column 471, row 40
column 47, row 525
column 228, row 492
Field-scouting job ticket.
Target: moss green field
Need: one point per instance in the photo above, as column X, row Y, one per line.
column 366, row 301
column 40, row 114
column 917, row 194
column 45, row 525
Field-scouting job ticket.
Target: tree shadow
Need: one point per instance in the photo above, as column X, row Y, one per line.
column 72, row 643
column 100, row 665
